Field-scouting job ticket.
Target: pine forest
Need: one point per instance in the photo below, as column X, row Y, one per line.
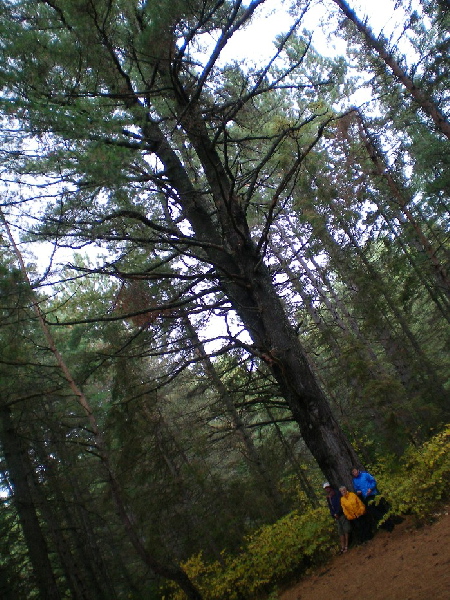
column 224, row 280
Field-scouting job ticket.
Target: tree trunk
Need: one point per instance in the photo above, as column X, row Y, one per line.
column 163, row 438
column 173, row 94
column 428, row 372
column 428, row 106
column 247, row 283
column 254, row 461
column 402, row 201
column 19, row 472
column 168, row 571
column 303, row 480
column 80, row 560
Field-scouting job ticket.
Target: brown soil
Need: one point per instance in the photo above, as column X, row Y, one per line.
column 408, row 564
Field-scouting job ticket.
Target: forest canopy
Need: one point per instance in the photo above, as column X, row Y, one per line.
column 247, row 289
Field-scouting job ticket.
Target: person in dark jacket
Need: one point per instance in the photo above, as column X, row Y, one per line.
column 334, row 504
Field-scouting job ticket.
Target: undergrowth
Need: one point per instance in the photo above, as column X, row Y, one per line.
column 416, row 485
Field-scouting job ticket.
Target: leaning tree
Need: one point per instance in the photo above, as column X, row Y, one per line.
column 149, row 143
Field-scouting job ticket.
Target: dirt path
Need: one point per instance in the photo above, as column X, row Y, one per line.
column 407, row 564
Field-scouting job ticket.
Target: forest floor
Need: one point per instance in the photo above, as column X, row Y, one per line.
column 408, row 564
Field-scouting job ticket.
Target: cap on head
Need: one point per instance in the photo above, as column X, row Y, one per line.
column 325, row 485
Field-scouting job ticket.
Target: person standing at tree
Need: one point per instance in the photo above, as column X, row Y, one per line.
column 356, row 512
column 343, row 525
column 365, row 486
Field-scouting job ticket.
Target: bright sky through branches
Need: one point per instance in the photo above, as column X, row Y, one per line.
column 255, row 41
column 255, row 44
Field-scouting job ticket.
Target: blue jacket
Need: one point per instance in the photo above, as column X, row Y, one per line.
column 364, row 482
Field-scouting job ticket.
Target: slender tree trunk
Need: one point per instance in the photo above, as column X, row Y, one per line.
column 6, row 592
column 386, row 326
column 163, row 435
column 19, row 469
column 74, row 575
column 402, row 201
column 84, row 571
column 345, row 321
column 426, row 103
column 336, row 307
column 441, row 300
column 171, row 572
column 305, row 484
column 88, row 543
column 254, row 461
column 382, row 290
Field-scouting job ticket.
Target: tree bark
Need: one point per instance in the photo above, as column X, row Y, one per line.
column 174, row 91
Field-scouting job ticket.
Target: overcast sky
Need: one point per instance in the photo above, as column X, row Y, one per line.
column 255, row 42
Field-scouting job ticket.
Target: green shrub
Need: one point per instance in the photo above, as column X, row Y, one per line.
column 417, row 485
column 421, row 482
column 268, row 557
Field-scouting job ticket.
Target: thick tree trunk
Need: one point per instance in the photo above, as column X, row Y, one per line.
column 278, row 345
column 248, row 285
column 217, row 216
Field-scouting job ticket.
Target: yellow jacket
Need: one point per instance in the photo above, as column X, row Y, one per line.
column 352, row 506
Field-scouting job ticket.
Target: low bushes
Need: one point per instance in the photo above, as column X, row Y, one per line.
column 275, row 553
column 421, row 482
column 267, row 557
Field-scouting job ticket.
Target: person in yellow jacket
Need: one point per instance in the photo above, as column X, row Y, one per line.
column 356, row 513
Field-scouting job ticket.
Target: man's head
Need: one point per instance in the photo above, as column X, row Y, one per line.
column 355, row 472
column 327, row 487
column 343, row 490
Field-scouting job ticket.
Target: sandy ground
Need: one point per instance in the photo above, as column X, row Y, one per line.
column 407, row 564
